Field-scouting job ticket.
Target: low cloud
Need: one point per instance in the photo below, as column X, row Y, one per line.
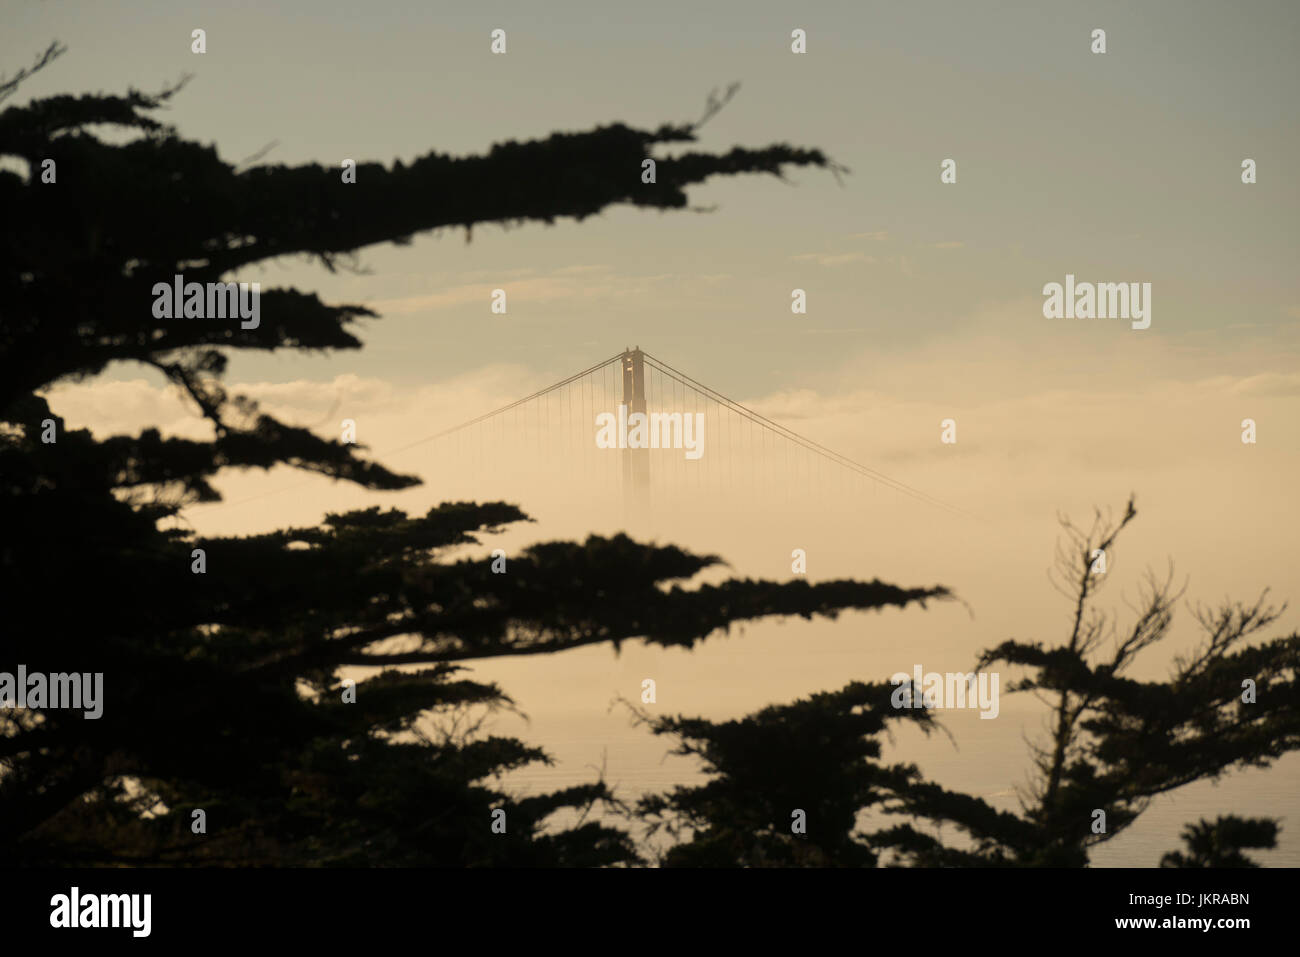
column 570, row 282
column 834, row 259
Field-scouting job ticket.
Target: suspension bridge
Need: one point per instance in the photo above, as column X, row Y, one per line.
column 633, row 422
column 633, row 428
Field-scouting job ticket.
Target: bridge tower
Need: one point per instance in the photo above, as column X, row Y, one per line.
column 636, row 462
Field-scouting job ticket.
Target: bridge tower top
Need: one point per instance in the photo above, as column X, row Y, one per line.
column 636, row 462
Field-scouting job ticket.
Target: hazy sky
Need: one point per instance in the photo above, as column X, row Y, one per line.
column 1119, row 167
column 924, row 299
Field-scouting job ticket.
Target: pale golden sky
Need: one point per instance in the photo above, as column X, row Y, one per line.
column 925, row 299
